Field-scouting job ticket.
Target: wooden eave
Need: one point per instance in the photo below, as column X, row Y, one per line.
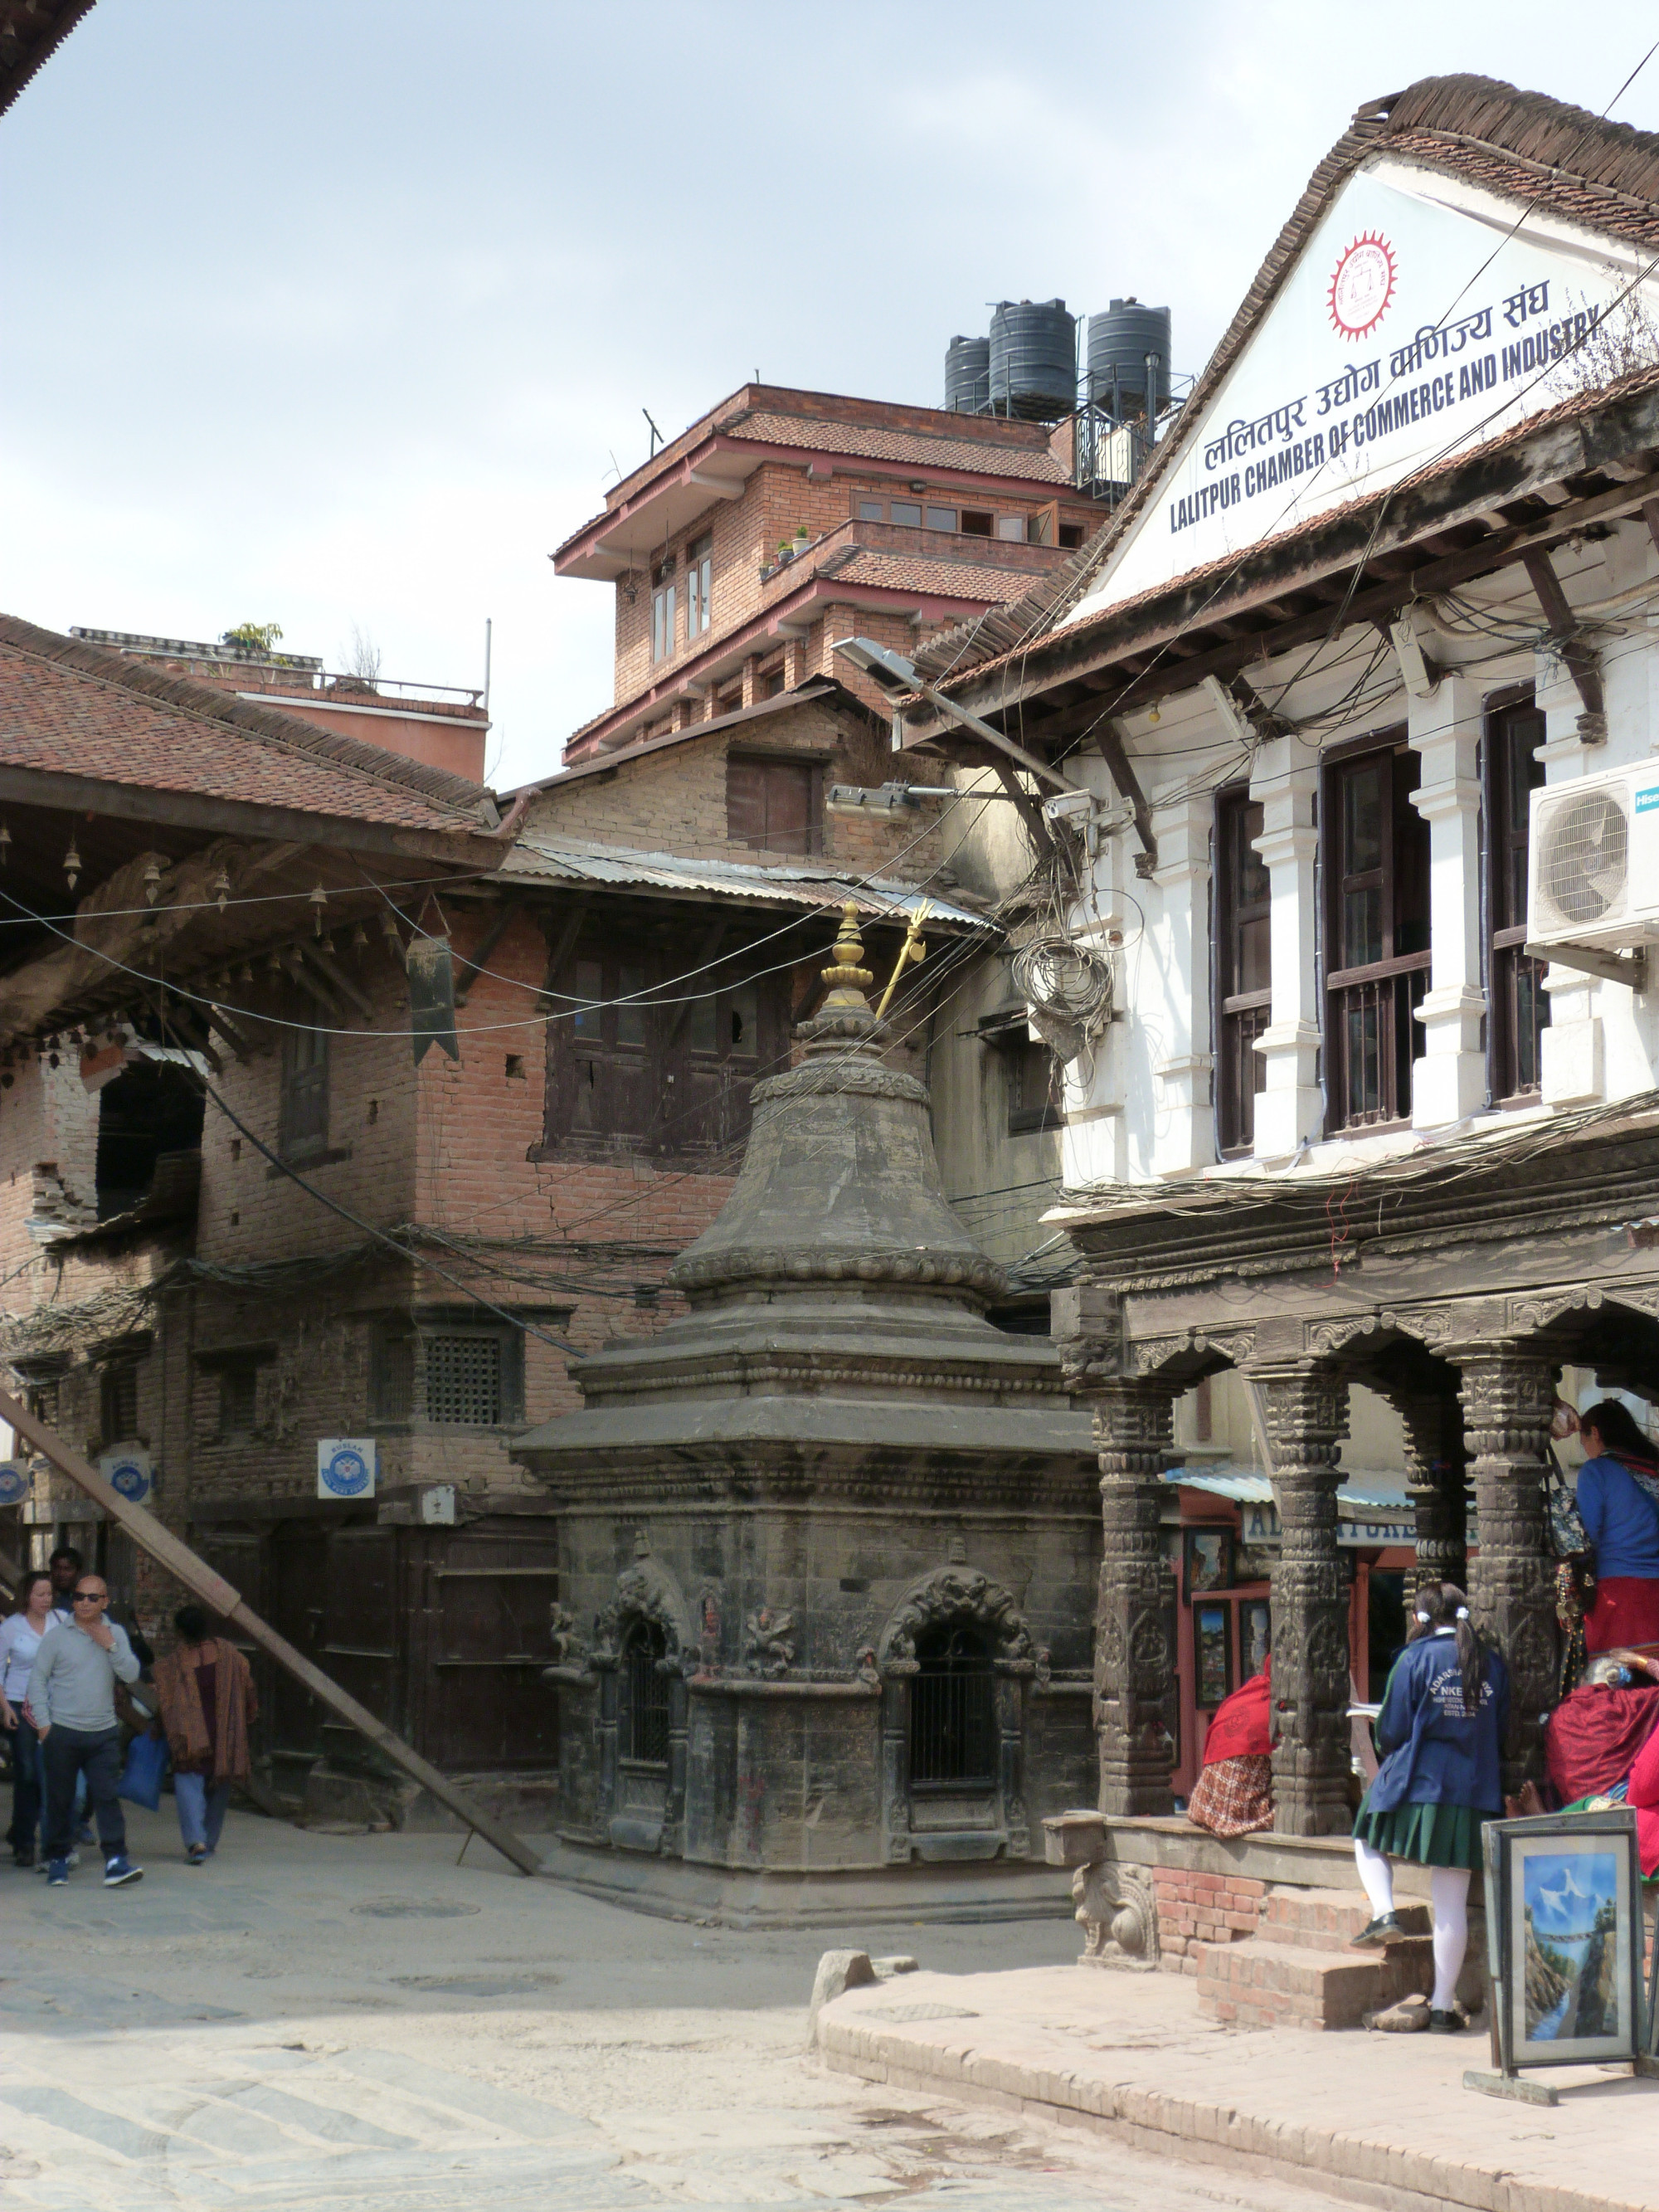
column 1358, row 565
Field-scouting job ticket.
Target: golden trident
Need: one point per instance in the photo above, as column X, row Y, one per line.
column 912, row 949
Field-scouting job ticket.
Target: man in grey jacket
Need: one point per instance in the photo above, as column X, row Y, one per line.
column 71, row 1701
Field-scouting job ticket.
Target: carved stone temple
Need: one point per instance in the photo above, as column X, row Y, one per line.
column 829, row 1543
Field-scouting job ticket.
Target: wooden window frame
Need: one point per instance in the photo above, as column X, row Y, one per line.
column 664, row 641
column 304, row 1126
column 1241, row 1017
column 1509, row 971
column 1396, row 985
column 699, row 586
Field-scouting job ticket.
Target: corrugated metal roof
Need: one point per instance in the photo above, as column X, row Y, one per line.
column 540, row 858
column 1357, row 1499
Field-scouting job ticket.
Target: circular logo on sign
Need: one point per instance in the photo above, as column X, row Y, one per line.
column 13, row 1483
column 1362, row 286
column 347, row 1474
column 130, row 1479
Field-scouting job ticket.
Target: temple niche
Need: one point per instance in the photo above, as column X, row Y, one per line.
column 829, row 1543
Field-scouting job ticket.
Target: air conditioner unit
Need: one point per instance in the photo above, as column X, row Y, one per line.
column 1593, row 860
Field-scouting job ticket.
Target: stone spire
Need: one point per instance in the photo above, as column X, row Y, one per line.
column 840, row 1182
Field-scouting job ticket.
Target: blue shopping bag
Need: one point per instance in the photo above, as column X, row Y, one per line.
column 141, row 1777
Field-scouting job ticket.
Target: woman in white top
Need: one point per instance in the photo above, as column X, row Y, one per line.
column 19, row 1639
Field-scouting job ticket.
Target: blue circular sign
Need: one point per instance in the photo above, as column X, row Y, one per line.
column 13, row 1483
column 131, row 1478
column 348, row 1474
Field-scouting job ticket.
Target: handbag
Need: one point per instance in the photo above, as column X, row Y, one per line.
column 141, row 1777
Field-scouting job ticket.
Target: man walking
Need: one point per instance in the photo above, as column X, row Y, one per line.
column 64, row 1567
column 71, row 1700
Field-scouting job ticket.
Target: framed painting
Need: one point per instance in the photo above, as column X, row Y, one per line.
column 1208, row 1560
column 1566, row 1951
column 1211, row 1656
column 1255, row 1636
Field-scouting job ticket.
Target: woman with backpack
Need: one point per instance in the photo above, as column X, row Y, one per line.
column 1440, row 1737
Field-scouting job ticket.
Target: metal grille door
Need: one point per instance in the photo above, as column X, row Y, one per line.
column 645, row 1733
column 953, row 1729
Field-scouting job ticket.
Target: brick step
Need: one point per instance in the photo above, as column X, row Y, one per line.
column 1258, row 1983
column 1327, row 1919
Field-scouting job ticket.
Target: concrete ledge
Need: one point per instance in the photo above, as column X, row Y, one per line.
column 1384, row 2120
column 865, row 1898
column 1086, row 1838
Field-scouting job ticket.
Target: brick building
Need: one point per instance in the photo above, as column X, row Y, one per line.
column 781, row 520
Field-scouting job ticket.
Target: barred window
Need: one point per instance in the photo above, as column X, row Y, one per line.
column 953, row 1728
column 463, row 1380
column 645, row 1696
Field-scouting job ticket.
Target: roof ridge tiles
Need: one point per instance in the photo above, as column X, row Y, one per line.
column 286, row 733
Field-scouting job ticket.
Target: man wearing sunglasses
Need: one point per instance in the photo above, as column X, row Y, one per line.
column 71, row 1700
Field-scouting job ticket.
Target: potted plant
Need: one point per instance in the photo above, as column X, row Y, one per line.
column 786, row 550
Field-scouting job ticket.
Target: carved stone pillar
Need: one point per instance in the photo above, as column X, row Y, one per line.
column 1435, row 1476
column 1134, row 1430
column 1509, row 1392
column 1306, row 1411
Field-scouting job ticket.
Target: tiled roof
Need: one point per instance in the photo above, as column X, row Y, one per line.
column 66, row 708
column 940, row 578
column 1559, row 159
column 767, row 426
column 31, row 31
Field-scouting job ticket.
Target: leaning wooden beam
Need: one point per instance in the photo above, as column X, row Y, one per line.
column 224, row 1599
column 1578, row 658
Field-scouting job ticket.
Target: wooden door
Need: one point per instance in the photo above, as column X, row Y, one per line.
column 489, row 1589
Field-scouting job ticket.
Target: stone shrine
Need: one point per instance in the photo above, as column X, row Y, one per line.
column 829, row 1543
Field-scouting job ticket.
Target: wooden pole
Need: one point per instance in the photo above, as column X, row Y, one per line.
column 224, row 1599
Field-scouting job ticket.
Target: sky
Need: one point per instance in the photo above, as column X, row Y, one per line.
column 342, row 313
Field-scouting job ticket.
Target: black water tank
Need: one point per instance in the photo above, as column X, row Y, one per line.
column 1121, row 339
column 1033, row 359
column 968, row 375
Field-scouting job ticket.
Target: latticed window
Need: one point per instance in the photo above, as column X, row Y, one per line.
column 953, row 1726
column 1520, row 1009
column 238, row 1397
column 463, row 1380
column 118, row 1407
column 1376, row 852
column 645, row 1696
column 1244, row 950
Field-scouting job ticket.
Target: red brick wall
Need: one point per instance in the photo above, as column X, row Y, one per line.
column 1194, row 1909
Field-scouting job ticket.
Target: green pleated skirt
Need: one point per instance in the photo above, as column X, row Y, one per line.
column 1433, row 1835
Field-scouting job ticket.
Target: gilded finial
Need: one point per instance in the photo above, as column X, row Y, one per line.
column 849, row 978
column 912, row 949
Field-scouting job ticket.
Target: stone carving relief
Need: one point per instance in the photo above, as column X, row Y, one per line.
column 569, row 1649
column 767, row 1648
column 958, row 1593
column 1117, row 1910
column 645, row 1591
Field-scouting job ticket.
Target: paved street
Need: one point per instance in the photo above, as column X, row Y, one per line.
column 343, row 2022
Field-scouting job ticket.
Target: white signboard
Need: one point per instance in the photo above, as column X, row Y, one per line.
column 1423, row 318
column 15, row 1481
column 131, row 1473
column 346, row 1467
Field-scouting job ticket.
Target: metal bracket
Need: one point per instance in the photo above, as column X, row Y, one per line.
column 1627, row 967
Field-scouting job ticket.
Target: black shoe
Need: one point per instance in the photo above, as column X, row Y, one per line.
column 1385, row 1929
column 1445, row 2023
column 22, row 1858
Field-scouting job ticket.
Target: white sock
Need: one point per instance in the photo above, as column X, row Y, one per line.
column 1449, row 1886
column 1377, row 1875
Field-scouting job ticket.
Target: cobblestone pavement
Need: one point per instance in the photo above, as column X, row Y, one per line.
column 344, row 2023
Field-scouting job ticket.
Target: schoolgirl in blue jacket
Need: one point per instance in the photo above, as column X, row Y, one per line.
column 1440, row 1735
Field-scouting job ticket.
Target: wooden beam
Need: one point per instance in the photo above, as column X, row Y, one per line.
column 295, row 967
column 473, row 961
column 224, row 1599
column 1579, row 659
column 1651, row 516
column 1115, row 753
column 327, row 965
column 1030, row 812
